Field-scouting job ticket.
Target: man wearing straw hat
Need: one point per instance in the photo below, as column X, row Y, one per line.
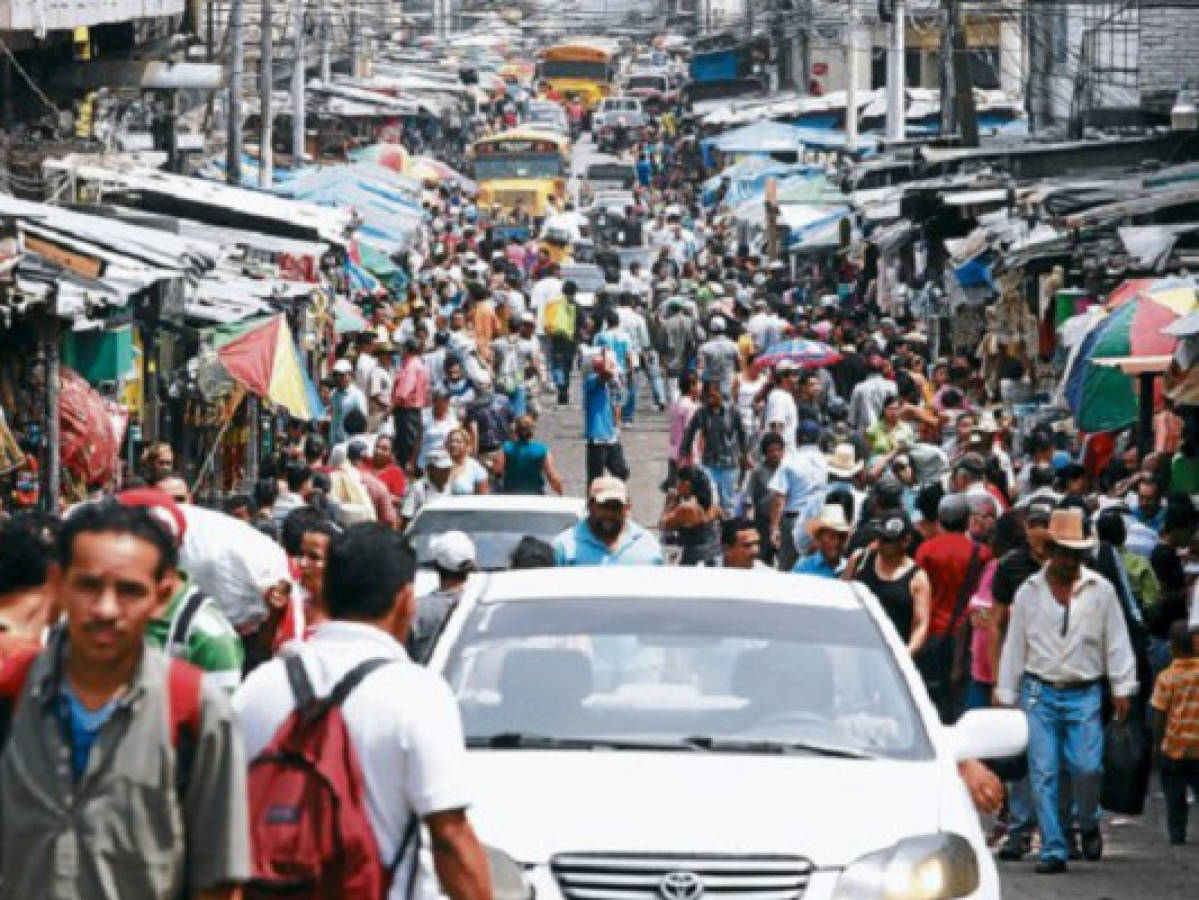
column 1065, row 634
column 829, row 533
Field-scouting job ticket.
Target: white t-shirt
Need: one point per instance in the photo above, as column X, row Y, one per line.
column 542, row 293
column 433, row 433
column 403, row 723
column 781, row 409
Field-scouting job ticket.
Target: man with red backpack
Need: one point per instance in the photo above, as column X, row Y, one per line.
column 122, row 774
column 353, row 747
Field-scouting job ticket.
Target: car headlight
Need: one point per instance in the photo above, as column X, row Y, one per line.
column 928, row 867
column 508, row 881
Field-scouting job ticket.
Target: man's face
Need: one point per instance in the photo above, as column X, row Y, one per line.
column 109, row 592
column 164, row 462
column 891, row 414
column 964, row 425
column 774, row 455
column 831, row 544
column 382, row 454
column 1037, row 533
column 606, row 519
column 712, row 397
column 982, row 523
column 744, row 551
column 314, row 552
column 1064, row 563
column 1148, row 498
column 343, row 380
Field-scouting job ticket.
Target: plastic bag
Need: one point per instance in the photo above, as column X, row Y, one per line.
column 1125, row 767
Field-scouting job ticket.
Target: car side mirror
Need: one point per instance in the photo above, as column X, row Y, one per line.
column 989, row 734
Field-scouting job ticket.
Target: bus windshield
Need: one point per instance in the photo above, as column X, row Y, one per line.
column 546, row 165
column 569, row 68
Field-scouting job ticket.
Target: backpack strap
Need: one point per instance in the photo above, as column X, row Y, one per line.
column 297, row 677
column 184, row 684
column 351, row 680
column 411, row 836
column 181, row 623
column 306, row 699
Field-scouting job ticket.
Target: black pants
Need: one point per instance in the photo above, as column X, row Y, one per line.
column 407, row 422
column 1177, row 776
column 606, row 458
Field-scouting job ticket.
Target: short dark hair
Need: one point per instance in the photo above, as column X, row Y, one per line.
column 234, row 502
column 314, row 448
column 771, row 439
column 266, row 492
column 110, row 517
column 357, row 451
column 531, row 553
column 928, row 499
column 1110, row 527
column 368, row 565
column 296, row 474
column 26, row 545
column 296, row 524
column 354, row 422
column 1041, row 475
column 730, row 528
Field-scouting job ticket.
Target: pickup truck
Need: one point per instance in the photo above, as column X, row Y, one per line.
column 618, row 122
column 656, row 90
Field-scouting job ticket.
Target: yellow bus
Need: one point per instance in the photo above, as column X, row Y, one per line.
column 585, row 67
column 523, row 164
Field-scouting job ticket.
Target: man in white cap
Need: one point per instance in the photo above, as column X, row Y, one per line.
column 430, row 486
column 344, row 397
column 1066, row 633
column 719, row 359
column 453, row 556
column 607, row 537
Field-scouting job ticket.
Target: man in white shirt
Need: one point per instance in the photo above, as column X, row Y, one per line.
column 1066, row 632
column 402, row 719
column 782, row 415
column 866, row 401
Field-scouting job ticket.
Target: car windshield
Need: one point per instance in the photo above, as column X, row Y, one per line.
column 654, row 82
column 589, row 278
column 622, row 106
column 541, row 166
column 619, row 172
column 494, row 532
column 677, row 674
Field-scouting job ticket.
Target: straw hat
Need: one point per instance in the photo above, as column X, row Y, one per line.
column 843, row 461
column 1067, row 528
column 832, row 518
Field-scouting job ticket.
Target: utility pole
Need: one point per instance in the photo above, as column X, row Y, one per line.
column 355, row 39
column 963, row 85
column 237, row 65
column 297, row 90
column 266, row 84
column 851, row 79
column 948, row 117
column 326, row 40
column 896, row 94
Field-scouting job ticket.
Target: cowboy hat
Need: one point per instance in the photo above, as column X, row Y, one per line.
column 832, row 518
column 1067, row 528
column 843, row 461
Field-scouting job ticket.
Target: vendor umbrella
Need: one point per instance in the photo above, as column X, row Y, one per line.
column 802, row 352
column 263, row 358
column 389, row 156
column 1103, row 397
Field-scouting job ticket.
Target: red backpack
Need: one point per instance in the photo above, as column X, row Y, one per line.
column 310, row 832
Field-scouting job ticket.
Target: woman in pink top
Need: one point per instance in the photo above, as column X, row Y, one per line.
column 1008, row 536
column 680, row 413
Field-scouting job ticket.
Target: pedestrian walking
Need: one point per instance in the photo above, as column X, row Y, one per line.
column 99, row 712
column 1065, row 634
column 900, row 586
column 601, row 428
column 725, row 447
column 607, row 536
column 692, row 513
column 1175, row 706
column 524, row 465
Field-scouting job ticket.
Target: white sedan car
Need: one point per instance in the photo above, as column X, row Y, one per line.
column 671, row 733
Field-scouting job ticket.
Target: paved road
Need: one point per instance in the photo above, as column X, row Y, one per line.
column 1139, row 863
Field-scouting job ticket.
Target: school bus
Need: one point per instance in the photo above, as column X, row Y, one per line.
column 524, row 164
column 585, row 67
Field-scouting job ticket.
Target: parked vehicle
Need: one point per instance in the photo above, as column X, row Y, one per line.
column 618, row 122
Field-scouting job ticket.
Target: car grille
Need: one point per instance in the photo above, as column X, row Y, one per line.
column 597, row 876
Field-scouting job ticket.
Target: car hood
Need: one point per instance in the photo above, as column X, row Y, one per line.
column 534, row 804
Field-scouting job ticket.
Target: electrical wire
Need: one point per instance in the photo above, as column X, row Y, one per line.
column 27, row 78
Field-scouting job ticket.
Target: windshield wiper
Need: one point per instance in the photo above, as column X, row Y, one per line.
column 725, row 745
column 523, row 740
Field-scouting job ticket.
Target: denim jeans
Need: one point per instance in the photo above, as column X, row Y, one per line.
column 1022, row 816
column 1064, row 726
column 562, row 360
column 653, row 374
column 628, row 409
column 725, row 482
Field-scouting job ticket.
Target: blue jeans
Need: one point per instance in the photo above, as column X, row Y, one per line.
column 629, row 409
column 1021, row 815
column 725, row 481
column 562, row 360
column 1064, row 726
column 653, row 373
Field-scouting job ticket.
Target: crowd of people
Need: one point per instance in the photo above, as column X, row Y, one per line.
column 1019, row 565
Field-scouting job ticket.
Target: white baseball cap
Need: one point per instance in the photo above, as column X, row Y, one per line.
column 452, row 551
column 342, row 367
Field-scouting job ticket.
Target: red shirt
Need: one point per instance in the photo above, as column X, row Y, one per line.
column 393, row 479
column 945, row 559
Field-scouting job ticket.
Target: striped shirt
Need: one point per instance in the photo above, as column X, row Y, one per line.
column 212, row 644
column 1177, row 695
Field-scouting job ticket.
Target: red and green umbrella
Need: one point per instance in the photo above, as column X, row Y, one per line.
column 1102, row 397
column 261, row 355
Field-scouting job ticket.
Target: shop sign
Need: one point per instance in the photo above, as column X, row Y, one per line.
column 73, row 261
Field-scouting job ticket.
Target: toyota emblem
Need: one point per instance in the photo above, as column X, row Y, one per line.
column 681, row 886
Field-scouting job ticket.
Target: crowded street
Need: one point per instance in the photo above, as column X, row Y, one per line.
column 526, row 451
